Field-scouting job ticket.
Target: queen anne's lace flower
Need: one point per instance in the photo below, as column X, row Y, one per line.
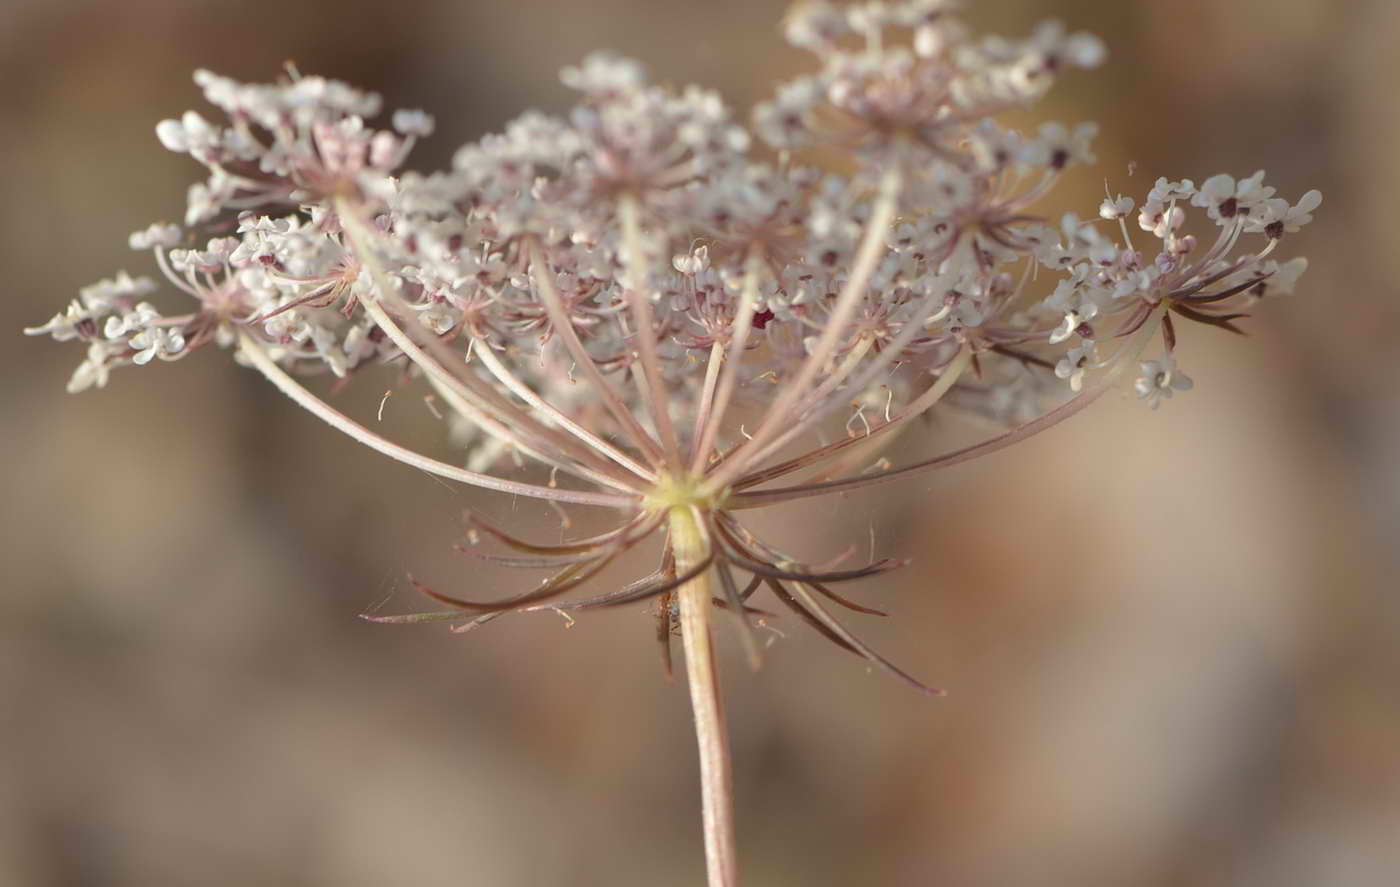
column 1159, row 379
column 1058, row 147
column 159, row 234
column 1225, row 199
column 413, row 123
column 1076, row 364
column 634, row 300
column 94, row 371
column 155, row 341
column 75, row 322
column 1115, row 208
column 140, row 317
column 1277, row 218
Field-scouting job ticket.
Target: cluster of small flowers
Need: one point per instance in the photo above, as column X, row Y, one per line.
column 535, row 236
column 647, row 247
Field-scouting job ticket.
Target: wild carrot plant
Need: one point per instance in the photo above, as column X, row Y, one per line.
column 598, row 298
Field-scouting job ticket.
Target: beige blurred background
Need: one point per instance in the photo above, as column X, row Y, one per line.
column 1170, row 638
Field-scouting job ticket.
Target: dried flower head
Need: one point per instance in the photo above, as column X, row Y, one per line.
column 603, row 294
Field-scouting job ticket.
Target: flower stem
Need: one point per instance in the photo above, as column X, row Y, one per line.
column 639, row 300
column 716, row 782
column 1128, row 354
column 257, row 355
column 529, row 436
column 782, row 412
column 708, row 419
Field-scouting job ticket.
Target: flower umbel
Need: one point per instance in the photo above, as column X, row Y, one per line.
column 603, row 297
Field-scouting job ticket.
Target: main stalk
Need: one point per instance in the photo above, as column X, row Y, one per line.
column 716, row 781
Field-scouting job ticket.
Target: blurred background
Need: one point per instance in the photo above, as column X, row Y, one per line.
column 1172, row 654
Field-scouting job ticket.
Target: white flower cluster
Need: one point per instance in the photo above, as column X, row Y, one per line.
column 536, row 236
